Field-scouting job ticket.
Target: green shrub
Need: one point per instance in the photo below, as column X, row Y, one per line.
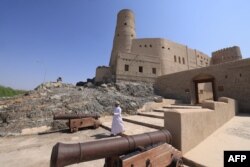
column 8, row 92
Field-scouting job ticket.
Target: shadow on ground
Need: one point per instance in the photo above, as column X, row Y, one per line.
column 101, row 136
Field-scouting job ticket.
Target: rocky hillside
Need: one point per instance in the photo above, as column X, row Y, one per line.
column 36, row 108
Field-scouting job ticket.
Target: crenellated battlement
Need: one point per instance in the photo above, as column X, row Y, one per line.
column 225, row 49
column 226, row 54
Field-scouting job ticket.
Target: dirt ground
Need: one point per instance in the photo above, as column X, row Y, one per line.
column 35, row 150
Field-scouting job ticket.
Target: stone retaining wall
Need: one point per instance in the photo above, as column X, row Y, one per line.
column 190, row 126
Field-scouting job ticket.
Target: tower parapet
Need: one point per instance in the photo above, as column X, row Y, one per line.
column 226, row 55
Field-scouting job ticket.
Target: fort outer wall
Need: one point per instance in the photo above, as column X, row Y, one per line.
column 103, row 74
column 133, row 63
column 231, row 79
column 174, row 57
column 156, row 57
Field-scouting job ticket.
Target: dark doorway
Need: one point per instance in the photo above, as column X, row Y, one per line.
column 204, row 90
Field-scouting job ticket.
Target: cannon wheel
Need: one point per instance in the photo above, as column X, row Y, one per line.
column 96, row 125
column 74, row 129
column 177, row 162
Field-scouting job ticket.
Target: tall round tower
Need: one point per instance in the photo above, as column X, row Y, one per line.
column 124, row 33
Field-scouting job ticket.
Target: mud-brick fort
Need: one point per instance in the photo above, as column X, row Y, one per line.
column 176, row 70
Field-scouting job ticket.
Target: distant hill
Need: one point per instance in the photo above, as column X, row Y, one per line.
column 8, row 92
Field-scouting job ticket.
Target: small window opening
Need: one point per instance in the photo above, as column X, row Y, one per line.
column 145, row 46
column 179, row 60
column 140, row 69
column 150, row 46
column 140, row 45
column 163, row 47
column 168, row 48
column 132, row 35
column 174, row 58
column 154, row 70
column 226, row 76
column 126, row 67
column 125, row 24
column 183, row 60
column 240, row 75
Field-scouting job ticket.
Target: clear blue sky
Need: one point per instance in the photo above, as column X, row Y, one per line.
column 45, row 39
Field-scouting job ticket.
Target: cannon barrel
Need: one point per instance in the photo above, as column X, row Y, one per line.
column 75, row 116
column 66, row 154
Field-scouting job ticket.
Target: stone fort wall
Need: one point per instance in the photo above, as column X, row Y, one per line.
column 231, row 79
column 174, row 57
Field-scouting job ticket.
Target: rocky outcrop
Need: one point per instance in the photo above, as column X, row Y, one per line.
column 37, row 107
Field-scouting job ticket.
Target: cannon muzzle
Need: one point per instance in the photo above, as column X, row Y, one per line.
column 67, row 154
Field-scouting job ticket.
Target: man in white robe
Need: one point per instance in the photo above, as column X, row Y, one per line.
column 117, row 123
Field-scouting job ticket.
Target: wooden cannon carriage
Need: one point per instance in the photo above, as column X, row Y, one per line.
column 76, row 121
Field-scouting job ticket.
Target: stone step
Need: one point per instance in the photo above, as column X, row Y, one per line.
column 162, row 110
column 130, row 128
column 145, row 121
column 152, row 114
column 176, row 106
column 143, row 124
column 179, row 106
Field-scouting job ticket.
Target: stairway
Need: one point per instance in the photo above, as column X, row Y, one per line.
column 145, row 121
column 136, row 124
